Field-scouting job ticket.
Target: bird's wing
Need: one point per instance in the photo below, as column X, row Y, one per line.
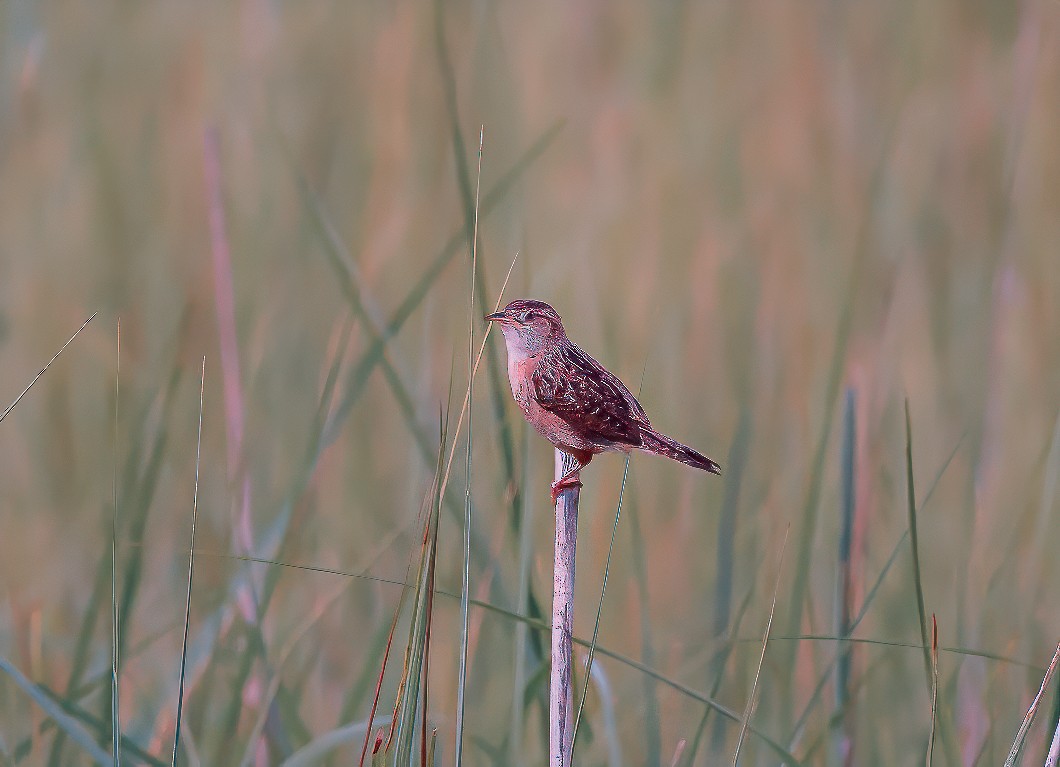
column 574, row 386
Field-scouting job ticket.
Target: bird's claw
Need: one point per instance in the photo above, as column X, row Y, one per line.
column 564, row 484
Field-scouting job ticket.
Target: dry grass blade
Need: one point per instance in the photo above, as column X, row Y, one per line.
column 934, row 685
column 191, row 570
column 379, row 683
column 467, row 394
column 1021, row 734
column 465, row 582
column 45, row 368
column 746, row 721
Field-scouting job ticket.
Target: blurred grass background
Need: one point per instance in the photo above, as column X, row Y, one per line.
column 771, row 209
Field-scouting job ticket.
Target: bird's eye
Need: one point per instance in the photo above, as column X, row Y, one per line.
column 526, row 316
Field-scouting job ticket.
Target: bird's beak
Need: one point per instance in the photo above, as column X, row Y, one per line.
column 495, row 317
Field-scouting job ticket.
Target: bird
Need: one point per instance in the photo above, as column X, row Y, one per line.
column 571, row 399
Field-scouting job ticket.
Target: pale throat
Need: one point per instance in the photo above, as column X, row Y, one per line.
column 521, row 360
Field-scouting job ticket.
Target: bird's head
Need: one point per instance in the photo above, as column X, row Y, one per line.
column 528, row 325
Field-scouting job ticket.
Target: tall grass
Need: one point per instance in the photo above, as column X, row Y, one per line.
column 772, row 205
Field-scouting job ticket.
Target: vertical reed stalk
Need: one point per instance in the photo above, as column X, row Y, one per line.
column 561, row 698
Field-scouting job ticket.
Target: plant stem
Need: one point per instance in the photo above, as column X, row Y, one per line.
column 561, row 698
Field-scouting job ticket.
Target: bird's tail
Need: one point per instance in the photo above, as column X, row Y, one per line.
column 654, row 442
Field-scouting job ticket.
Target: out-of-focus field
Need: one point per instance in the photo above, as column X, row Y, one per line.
column 780, row 220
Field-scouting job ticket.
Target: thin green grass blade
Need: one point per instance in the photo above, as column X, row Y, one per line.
column 599, row 610
column 374, row 354
column 498, row 382
column 539, row 625
column 115, row 708
column 469, row 200
column 520, row 683
column 350, row 283
column 870, row 597
column 341, row 260
column 844, row 590
column 191, row 570
column 724, row 557
column 271, row 542
column 278, row 718
column 542, row 626
column 808, row 525
column 83, row 647
column 94, row 724
column 142, row 484
column 721, row 658
column 89, row 623
column 914, row 545
column 652, row 725
column 841, row 739
column 129, row 484
column 749, row 710
column 66, row 723
column 961, row 651
column 403, row 728
column 726, row 538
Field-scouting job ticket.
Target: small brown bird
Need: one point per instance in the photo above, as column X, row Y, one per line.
column 569, row 397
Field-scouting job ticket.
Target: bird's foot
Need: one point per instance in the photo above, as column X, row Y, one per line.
column 564, row 484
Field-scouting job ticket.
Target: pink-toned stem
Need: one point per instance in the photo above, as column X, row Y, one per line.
column 224, row 302
column 561, row 698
